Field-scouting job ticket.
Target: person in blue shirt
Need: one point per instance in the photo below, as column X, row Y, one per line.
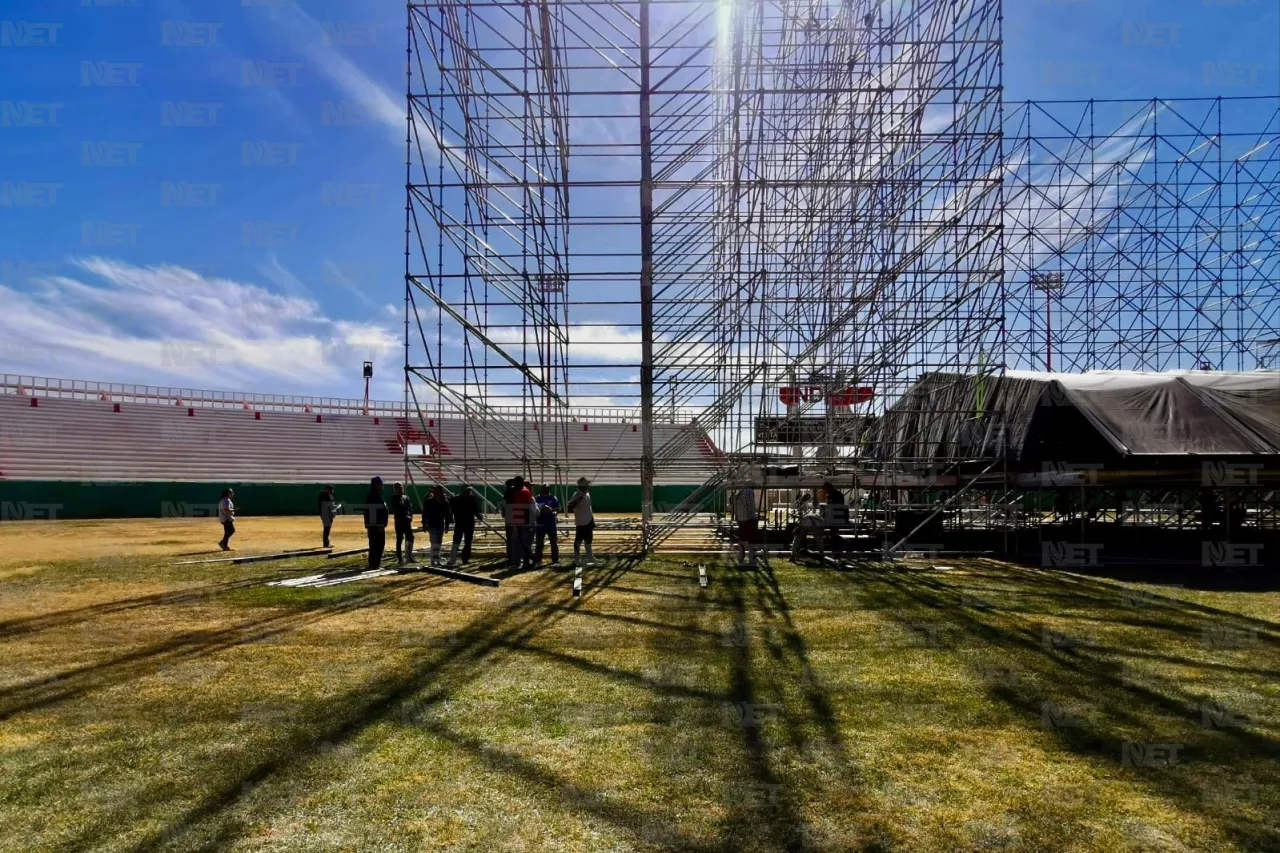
column 548, row 508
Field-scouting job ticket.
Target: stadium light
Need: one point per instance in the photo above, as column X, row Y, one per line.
column 1048, row 282
column 368, row 374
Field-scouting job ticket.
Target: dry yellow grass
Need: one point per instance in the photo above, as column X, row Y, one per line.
column 147, row 707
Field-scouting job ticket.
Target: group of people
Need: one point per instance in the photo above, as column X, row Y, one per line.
column 440, row 511
column 533, row 522
column 527, row 519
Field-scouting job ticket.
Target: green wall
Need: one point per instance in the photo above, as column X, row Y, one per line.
column 30, row 499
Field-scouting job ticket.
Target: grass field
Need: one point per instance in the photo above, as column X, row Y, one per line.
column 146, row 707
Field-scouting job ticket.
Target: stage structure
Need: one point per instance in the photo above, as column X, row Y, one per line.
column 734, row 218
column 758, row 224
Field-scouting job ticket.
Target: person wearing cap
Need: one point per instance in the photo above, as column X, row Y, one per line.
column 328, row 510
column 548, row 508
column 375, row 522
column 402, row 512
column 437, row 515
column 466, row 511
column 584, row 521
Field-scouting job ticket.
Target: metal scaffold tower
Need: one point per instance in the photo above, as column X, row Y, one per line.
column 828, row 220
column 742, row 230
column 1143, row 235
column 781, row 213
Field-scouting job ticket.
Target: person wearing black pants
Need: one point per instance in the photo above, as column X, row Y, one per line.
column 328, row 509
column 375, row 522
column 466, row 511
column 402, row 511
column 227, row 515
column 548, row 507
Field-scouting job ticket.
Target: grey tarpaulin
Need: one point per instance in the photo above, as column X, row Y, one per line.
column 1021, row 413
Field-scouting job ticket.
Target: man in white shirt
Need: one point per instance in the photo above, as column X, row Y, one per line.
column 584, row 521
column 227, row 515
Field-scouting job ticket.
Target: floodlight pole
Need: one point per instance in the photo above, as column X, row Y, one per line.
column 368, row 374
column 1048, row 282
column 646, row 285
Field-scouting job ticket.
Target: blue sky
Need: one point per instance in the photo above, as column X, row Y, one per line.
column 210, row 193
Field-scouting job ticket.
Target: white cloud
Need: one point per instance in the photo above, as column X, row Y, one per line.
column 308, row 37
column 114, row 321
column 588, row 344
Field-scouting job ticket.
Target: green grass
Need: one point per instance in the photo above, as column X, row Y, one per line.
column 148, row 708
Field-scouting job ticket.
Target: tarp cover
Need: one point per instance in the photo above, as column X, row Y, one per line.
column 953, row 416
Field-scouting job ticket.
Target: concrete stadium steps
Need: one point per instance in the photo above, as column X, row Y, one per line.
column 90, row 440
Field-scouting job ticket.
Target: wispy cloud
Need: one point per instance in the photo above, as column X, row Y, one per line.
column 116, row 321
column 306, row 35
column 335, row 274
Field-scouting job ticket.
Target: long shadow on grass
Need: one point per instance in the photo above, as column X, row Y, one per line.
column 1067, row 685
column 399, row 698
column 186, row 646
column 412, row 698
column 764, row 746
column 184, row 596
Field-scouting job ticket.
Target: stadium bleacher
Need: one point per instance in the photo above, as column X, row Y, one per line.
column 80, row 433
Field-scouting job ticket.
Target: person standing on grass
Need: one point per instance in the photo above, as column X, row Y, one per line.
column 523, row 518
column 375, row 522
column 505, row 508
column 328, row 509
column 437, row 515
column 748, row 517
column 584, row 521
column 466, row 511
column 227, row 515
column 548, row 506
column 402, row 512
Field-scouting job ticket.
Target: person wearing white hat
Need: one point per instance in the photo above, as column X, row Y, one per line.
column 584, row 521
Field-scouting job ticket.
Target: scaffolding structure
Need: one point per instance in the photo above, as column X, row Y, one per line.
column 760, row 222
column 1143, row 235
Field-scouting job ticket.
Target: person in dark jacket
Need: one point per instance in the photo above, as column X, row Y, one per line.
column 548, row 508
column 437, row 515
column 375, row 522
column 466, row 511
column 833, row 495
column 402, row 512
column 328, row 509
